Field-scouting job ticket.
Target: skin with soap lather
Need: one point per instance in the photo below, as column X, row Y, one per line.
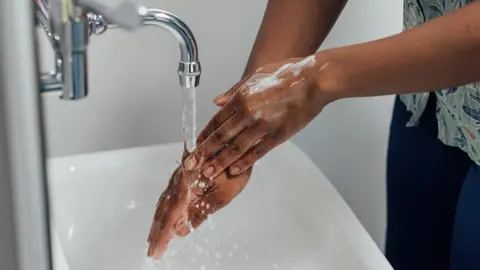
column 187, row 201
column 265, row 109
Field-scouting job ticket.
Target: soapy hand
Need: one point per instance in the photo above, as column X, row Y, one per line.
column 187, row 202
column 259, row 113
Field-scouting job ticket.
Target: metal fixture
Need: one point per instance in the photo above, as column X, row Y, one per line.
column 70, row 23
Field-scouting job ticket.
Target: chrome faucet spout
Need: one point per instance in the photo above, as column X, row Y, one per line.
column 189, row 68
column 170, row 22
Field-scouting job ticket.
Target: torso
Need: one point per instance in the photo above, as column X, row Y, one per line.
column 458, row 109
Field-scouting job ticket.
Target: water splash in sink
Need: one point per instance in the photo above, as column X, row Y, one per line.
column 204, row 249
column 188, row 118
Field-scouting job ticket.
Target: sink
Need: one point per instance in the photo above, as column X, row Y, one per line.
column 288, row 217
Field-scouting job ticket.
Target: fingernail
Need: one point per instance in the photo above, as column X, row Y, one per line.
column 190, row 162
column 234, row 170
column 218, row 98
column 221, row 99
column 208, row 171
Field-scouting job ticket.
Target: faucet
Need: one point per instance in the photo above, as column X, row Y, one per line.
column 69, row 24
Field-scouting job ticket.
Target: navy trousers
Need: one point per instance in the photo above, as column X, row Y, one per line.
column 433, row 198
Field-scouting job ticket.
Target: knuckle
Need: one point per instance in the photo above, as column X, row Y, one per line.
column 217, row 137
column 246, row 161
column 213, row 124
column 220, row 162
column 202, row 153
column 195, row 213
column 235, row 149
column 257, row 153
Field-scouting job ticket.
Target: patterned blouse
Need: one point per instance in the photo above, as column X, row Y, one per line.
column 458, row 108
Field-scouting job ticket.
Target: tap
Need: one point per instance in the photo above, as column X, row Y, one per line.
column 69, row 24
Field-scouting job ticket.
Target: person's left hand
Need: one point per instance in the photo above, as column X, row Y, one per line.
column 265, row 110
column 186, row 203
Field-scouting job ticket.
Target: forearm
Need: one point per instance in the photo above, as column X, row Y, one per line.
column 292, row 29
column 439, row 54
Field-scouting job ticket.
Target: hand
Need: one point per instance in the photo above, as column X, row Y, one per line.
column 186, row 203
column 264, row 111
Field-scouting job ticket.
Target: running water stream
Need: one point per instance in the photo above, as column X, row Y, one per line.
column 188, row 118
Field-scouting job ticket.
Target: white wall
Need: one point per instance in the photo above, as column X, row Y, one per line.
column 135, row 98
column 348, row 140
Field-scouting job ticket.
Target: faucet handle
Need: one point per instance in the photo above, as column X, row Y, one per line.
column 126, row 15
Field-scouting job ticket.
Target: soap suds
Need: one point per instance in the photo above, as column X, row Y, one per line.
column 305, row 63
column 258, row 82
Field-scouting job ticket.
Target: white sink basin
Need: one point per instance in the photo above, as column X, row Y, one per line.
column 288, row 217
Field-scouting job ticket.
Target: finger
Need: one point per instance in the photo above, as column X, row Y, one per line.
column 255, row 153
column 222, row 99
column 161, row 230
column 217, row 120
column 217, row 140
column 220, row 138
column 235, row 149
column 157, row 248
column 169, row 209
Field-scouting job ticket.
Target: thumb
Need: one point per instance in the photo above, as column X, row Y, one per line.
column 169, row 210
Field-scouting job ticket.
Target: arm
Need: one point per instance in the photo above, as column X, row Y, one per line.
column 292, row 29
column 439, row 54
column 289, row 29
column 442, row 53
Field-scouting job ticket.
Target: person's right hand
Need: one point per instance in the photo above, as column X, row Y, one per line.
column 186, row 203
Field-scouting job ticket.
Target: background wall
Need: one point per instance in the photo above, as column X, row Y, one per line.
column 135, row 98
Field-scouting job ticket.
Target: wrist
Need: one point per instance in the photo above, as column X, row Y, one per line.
column 329, row 75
